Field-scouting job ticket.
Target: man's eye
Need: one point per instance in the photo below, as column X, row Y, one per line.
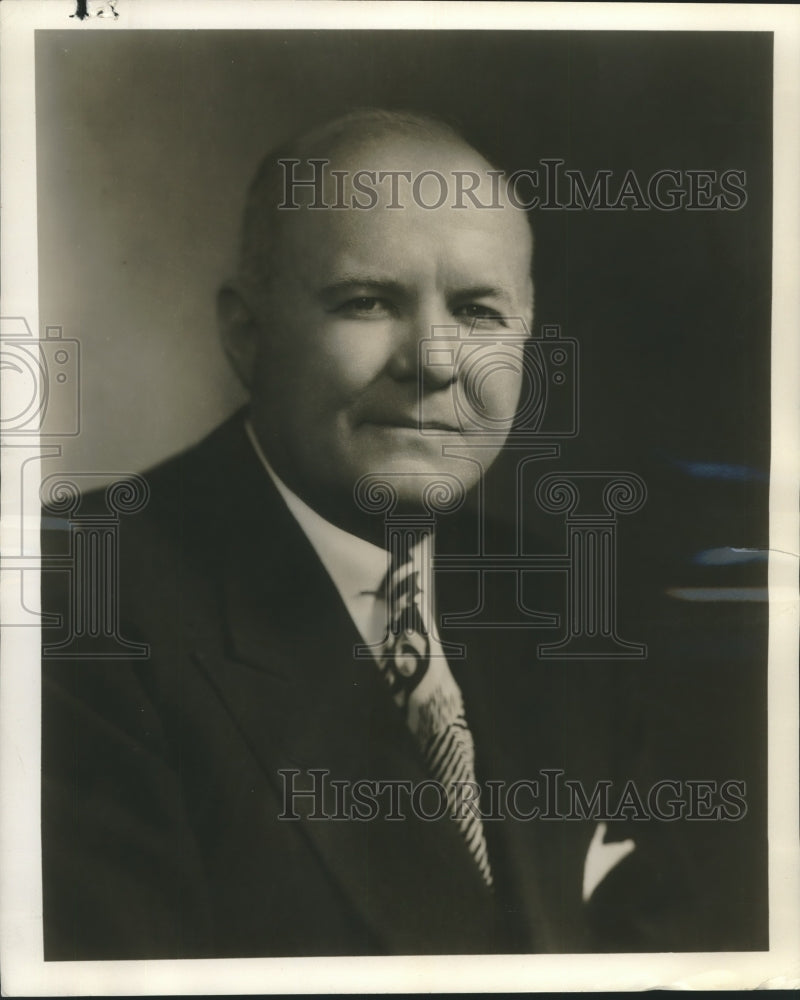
column 477, row 311
column 364, row 305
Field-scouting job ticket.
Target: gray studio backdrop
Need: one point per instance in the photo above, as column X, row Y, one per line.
column 147, row 140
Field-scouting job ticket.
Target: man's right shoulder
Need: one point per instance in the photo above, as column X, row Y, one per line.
column 165, row 537
column 203, row 473
column 189, row 486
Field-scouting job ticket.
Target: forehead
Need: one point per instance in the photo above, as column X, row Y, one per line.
column 409, row 169
column 408, row 201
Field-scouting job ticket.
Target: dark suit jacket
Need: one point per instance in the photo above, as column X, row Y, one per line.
column 162, row 789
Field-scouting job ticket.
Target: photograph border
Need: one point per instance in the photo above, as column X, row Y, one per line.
column 24, row 972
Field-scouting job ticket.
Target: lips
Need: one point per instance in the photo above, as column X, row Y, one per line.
column 412, row 423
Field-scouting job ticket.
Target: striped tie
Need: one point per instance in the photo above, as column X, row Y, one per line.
column 425, row 690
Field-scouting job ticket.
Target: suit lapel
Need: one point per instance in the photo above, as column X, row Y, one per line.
column 302, row 701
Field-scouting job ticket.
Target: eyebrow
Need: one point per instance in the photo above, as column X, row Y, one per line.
column 350, row 281
column 389, row 285
column 483, row 292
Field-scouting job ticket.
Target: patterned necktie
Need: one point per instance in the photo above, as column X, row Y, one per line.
column 425, row 690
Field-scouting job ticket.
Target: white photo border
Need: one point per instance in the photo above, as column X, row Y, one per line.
column 24, row 972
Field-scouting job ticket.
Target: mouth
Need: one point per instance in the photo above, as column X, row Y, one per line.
column 412, row 424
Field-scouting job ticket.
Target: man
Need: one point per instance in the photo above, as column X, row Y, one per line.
column 251, row 787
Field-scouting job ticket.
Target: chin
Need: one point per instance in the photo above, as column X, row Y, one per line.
column 417, row 480
column 429, row 464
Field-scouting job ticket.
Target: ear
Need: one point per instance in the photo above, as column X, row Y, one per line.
column 238, row 331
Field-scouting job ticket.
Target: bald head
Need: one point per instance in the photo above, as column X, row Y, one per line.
column 369, row 159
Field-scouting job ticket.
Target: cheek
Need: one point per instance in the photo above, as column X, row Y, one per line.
column 493, row 382
column 316, row 363
column 350, row 356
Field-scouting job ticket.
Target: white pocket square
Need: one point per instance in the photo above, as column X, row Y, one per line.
column 601, row 858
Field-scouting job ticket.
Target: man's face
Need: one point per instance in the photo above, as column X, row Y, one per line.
column 337, row 380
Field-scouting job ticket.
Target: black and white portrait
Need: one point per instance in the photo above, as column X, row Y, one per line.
column 404, row 471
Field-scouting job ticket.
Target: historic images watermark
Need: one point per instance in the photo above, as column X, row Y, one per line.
column 549, row 795
column 42, row 376
column 41, row 407
column 466, row 358
column 549, row 186
column 547, row 362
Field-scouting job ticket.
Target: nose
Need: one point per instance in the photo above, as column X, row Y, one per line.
column 417, row 354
